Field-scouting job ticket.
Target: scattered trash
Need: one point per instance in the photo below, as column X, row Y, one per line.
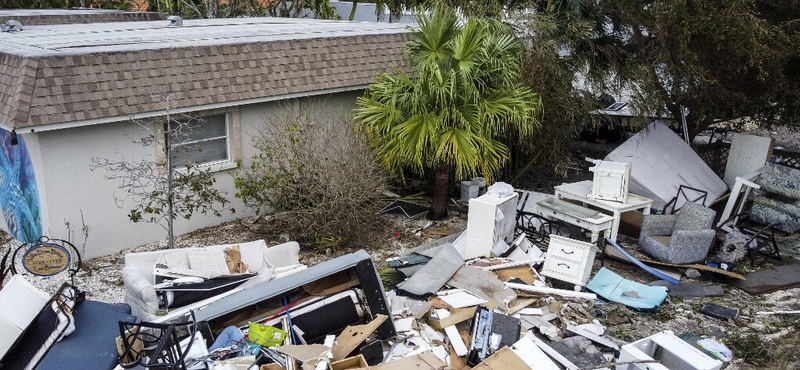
column 691, row 289
column 721, row 312
column 692, row 273
column 402, row 207
column 668, row 352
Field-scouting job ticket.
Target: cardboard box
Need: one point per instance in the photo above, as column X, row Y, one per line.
column 272, row 366
column 354, row 362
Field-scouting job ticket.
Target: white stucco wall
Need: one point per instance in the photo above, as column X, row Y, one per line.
column 72, row 193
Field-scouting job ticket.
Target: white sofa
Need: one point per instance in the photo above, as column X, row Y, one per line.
column 138, row 276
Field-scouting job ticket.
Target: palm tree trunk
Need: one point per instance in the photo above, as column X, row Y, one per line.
column 440, row 193
column 353, row 10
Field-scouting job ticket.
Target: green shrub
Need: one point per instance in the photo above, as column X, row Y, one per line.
column 314, row 174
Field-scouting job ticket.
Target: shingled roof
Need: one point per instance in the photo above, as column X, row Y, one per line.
column 102, row 72
column 35, row 17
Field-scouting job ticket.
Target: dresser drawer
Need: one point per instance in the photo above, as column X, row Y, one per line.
column 562, row 268
column 568, row 252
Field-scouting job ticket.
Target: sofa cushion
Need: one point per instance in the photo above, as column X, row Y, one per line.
column 693, row 216
column 211, row 261
column 176, row 260
column 96, row 326
column 779, row 179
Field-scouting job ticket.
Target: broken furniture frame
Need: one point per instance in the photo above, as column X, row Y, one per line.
column 760, row 244
column 41, row 334
column 581, row 191
column 667, row 352
column 357, row 266
column 154, row 345
column 682, row 194
column 573, row 214
column 738, row 196
column 536, row 227
column 540, row 235
column 610, row 180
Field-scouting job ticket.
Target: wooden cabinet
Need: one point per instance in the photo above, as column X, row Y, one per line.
column 569, row 260
column 610, row 180
column 490, row 220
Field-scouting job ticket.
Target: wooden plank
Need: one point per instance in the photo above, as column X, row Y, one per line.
column 592, row 336
column 532, row 355
column 423, row 361
column 504, row 359
column 352, row 336
column 456, row 316
column 567, row 364
column 611, row 252
column 545, row 290
column 453, row 335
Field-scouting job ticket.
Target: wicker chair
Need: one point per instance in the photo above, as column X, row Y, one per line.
column 682, row 238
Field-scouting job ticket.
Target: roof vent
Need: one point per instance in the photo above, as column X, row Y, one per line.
column 11, row 26
column 175, row 21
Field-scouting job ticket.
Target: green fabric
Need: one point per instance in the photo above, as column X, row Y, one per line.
column 265, row 335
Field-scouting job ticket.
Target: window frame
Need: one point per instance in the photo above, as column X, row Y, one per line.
column 232, row 135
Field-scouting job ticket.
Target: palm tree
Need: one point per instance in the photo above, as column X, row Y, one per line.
column 449, row 115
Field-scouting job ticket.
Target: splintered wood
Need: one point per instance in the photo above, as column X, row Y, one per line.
column 352, row 336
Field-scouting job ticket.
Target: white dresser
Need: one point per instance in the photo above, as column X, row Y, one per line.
column 569, row 260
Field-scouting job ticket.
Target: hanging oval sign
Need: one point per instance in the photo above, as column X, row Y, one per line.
column 46, row 259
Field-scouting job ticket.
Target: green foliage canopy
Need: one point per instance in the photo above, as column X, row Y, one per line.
column 463, row 95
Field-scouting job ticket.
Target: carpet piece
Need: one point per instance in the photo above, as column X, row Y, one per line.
column 770, row 280
column 432, row 277
column 691, row 289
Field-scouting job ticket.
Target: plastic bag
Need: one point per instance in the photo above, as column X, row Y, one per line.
column 500, row 190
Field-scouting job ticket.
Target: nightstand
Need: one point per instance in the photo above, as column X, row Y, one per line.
column 569, row 260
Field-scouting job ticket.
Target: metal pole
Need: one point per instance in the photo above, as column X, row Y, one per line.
column 168, row 149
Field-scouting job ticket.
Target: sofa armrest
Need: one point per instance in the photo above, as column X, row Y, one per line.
column 657, row 225
column 139, row 293
column 282, row 255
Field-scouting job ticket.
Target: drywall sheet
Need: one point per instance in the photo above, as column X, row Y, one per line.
column 661, row 162
column 748, row 153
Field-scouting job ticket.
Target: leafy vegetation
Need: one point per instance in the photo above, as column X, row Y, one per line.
column 313, row 175
column 158, row 190
column 448, row 116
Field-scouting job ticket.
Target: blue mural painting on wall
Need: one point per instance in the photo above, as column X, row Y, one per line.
column 19, row 198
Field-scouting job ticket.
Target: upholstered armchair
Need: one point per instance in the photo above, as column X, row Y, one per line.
column 682, row 238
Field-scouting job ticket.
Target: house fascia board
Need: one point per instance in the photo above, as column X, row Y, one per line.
column 98, row 121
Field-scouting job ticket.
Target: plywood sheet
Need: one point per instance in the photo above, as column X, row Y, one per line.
column 748, row 153
column 352, row 336
column 661, row 161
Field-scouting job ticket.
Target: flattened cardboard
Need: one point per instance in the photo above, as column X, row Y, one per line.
column 354, row 362
column 504, row 359
column 352, row 336
column 303, row 352
column 423, row 361
column 522, row 272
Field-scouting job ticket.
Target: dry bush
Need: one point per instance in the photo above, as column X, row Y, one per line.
column 314, row 174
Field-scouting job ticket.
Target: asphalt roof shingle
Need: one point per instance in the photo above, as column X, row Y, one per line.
column 67, row 73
